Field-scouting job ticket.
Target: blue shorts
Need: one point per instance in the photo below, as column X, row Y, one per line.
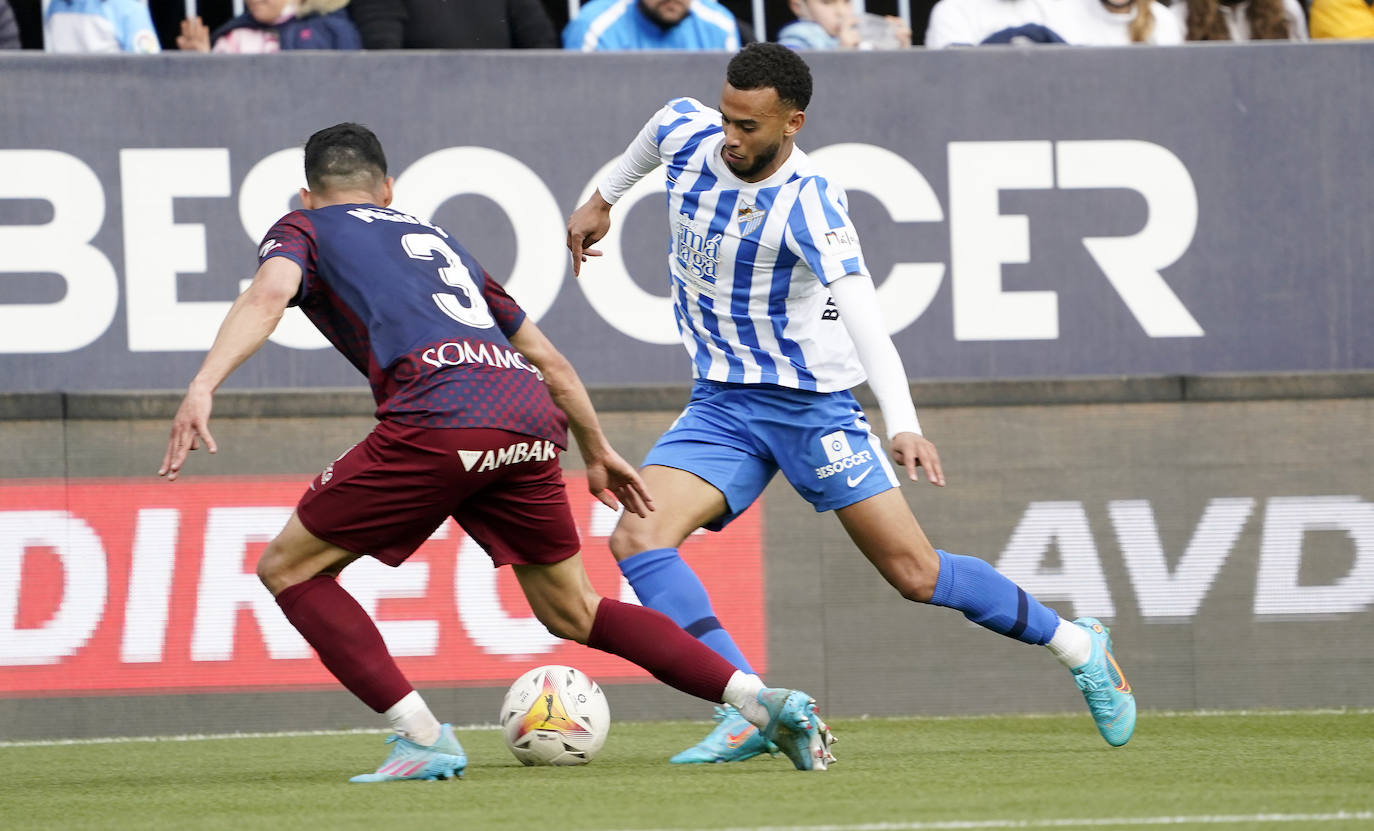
column 736, row 436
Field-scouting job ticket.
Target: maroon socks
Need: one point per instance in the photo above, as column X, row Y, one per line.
column 352, row 649
column 346, row 639
column 651, row 640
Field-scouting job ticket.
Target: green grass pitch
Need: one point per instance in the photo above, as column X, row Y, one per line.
column 1273, row 770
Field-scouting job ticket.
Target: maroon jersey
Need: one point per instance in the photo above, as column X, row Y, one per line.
column 416, row 314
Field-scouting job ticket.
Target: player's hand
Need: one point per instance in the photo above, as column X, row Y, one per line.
column 610, row 472
column 194, row 37
column 588, row 224
column 190, row 426
column 911, row 451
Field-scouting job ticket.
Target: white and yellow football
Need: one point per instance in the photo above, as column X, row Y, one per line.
column 555, row 715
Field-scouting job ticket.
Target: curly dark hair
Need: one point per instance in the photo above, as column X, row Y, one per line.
column 346, row 155
column 761, row 65
column 1265, row 17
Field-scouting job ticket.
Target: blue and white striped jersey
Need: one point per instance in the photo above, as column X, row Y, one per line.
column 750, row 261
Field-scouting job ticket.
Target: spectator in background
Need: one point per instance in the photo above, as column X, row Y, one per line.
column 1347, row 19
column 454, row 24
column 972, row 22
column 832, row 24
column 1241, row 19
column 274, row 26
column 1077, row 22
column 609, row 25
column 9, row 27
column 1114, row 22
column 99, row 26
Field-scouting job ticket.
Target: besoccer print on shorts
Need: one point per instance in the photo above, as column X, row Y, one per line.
column 852, row 453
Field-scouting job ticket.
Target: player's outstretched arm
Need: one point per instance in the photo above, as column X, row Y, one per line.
column 250, row 320
column 606, row 470
column 857, row 302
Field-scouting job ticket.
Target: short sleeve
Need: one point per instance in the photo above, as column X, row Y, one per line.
column 507, row 313
column 820, row 232
column 293, row 237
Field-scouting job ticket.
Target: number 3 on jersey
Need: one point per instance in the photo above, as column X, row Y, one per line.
column 467, row 306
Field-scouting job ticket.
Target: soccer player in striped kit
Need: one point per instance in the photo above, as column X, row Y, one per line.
column 473, row 404
column 780, row 317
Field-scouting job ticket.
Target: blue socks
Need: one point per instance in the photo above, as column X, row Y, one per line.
column 990, row 600
column 665, row 583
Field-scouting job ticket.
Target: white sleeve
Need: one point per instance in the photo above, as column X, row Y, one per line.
column 638, row 160
column 857, row 301
column 948, row 25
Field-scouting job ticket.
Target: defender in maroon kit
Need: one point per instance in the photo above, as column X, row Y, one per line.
column 473, row 403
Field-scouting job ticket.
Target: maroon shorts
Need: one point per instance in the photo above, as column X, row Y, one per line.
column 388, row 493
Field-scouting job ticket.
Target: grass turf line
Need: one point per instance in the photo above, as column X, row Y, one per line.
column 913, row 772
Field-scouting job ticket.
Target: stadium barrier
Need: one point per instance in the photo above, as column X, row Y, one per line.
column 1223, row 525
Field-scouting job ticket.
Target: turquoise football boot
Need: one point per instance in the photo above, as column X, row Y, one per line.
column 795, row 726
column 1105, row 687
column 444, row 759
column 733, row 739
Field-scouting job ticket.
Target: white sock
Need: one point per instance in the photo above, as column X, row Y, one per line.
column 412, row 719
column 1070, row 644
column 742, row 693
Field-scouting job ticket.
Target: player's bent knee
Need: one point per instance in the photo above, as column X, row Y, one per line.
column 269, row 568
column 916, row 585
column 569, row 627
column 570, row 619
column 628, row 540
column 275, row 579
column 277, row 569
column 918, row 593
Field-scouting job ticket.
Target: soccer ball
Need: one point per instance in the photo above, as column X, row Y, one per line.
column 555, row 715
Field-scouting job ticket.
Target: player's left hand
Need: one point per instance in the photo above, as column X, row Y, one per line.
column 911, row 451
column 588, row 224
column 190, row 426
column 612, row 473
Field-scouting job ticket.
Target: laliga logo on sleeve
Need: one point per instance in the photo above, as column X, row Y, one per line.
column 841, row 240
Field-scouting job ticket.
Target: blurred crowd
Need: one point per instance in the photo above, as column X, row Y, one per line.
column 257, row 26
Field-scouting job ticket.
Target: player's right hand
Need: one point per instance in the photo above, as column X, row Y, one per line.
column 190, row 426
column 911, row 450
column 588, row 224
